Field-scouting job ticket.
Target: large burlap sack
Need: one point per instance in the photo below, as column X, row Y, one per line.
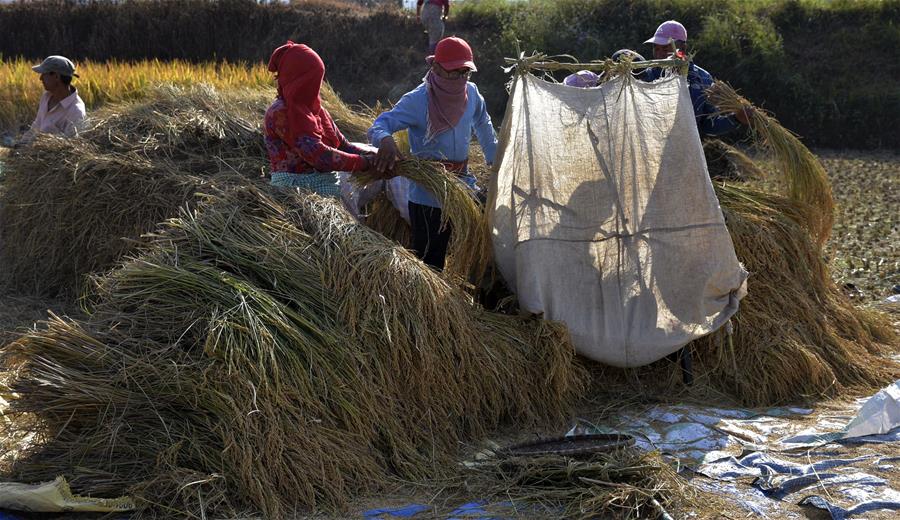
column 604, row 217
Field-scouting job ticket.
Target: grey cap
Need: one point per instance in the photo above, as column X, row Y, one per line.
column 59, row 64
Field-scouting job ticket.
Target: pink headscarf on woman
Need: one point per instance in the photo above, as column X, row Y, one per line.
column 447, row 102
column 447, row 98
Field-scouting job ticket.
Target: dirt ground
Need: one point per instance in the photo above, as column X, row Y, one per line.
column 864, row 253
column 864, row 249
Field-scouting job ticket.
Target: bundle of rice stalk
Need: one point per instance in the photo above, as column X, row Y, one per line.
column 623, row 484
column 796, row 334
column 204, row 130
column 419, row 307
column 805, row 178
column 383, row 217
column 265, row 352
column 69, row 207
column 469, row 250
column 727, row 162
column 67, row 366
column 478, row 166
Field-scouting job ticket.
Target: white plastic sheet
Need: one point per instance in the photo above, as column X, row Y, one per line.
column 879, row 415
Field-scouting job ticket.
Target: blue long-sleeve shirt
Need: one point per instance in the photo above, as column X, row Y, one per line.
column 709, row 122
column 411, row 113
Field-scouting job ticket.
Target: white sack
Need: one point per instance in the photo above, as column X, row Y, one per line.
column 397, row 190
column 604, row 217
column 356, row 198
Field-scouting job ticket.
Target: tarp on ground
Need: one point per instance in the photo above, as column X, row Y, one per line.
column 605, row 218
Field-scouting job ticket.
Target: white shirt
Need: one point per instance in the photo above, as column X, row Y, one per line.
column 64, row 118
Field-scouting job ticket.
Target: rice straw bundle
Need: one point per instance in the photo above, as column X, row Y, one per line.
column 796, row 335
column 204, row 130
column 727, row 162
column 266, row 352
column 68, row 207
column 468, row 254
column 384, row 218
column 805, row 178
column 469, row 249
column 478, row 167
column 623, row 484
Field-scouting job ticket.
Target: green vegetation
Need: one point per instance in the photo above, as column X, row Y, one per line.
column 827, row 69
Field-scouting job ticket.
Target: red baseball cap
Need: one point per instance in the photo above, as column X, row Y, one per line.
column 453, row 53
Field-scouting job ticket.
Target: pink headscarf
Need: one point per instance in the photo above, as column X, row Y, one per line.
column 447, row 102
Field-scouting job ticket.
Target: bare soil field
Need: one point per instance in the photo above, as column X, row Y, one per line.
column 864, row 250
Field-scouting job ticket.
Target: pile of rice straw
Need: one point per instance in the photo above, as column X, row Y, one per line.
column 805, row 179
column 797, row 336
column 264, row 351
column 72, row 206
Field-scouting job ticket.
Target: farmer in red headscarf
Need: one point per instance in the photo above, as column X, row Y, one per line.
column 441, row 115
column 305, row 147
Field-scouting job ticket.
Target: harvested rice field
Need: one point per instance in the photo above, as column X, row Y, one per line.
column 866, row 228
column 863, row 252
column 209, row 342
column 865, row 242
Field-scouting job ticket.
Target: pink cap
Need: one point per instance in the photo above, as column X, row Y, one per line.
column 668, row 31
